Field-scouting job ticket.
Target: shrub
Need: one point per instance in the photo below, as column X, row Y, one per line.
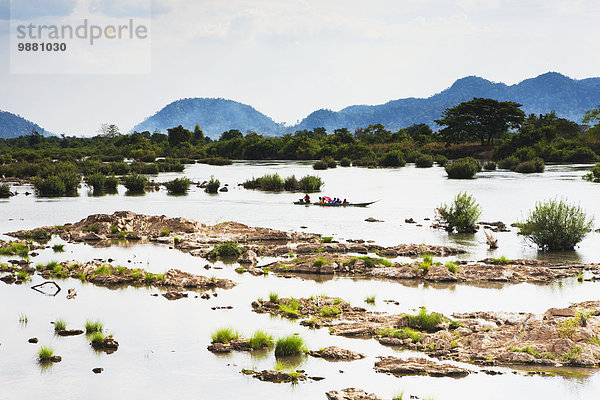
column 291, row 183
column 528, row 167
column 582, row 155
column 461, row 215
column 96, row 181
column 440, row 160
column 393, row 158
column 178, row 186
column 424, row 321
column 213, row 185
column 225, row 249
column 508, row 162
column 135, row 183
column 5, row 191
column 310, row 184
column 224, row 335
column 215, row 161
column 489, row 166
column 261, row 340
column 320, row 165
column 463, row 168
column 424, row 161
column 556, row 225
column 593, row 176
column 289, row 346
column 58, row 248
column 345, row 162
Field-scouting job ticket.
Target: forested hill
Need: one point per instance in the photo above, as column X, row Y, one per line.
column 551, row 91
column 214, row 116
column 13, row 125
column 570, row 98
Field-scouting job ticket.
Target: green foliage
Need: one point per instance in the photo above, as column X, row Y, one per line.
column 5, row 191
column 15, row 249
column 213, row 185
column 165, row 232
column 508, row 163
column 290, row 306
column 59, row 325
column 461, row 215
column 556, row 225
column 531, row 166
column 489, row 166
column 289, row 346
column 463, row 168
column 370, row 299
column 224, row 335
column 291, row 183
column 594, row 175
column 424, row 161
column 452, row 267
column 345, row 162
column 320, row 165
column 273, row 297
column 268, row 182
column 260, row 340
column 135, row 183
column 178, row 185
column 572, row 354
column 45, row 354
column 424, row 321
column 326, row 239
column 402, row 333
column 440, row 160
column 93, row 326
column 96, row 337
column 225, row 249
column 393, row 158
column 502, row 260
column 310, row 184
column 58, row 248
column 329, row 311
column 319, row 262
column 91, row 228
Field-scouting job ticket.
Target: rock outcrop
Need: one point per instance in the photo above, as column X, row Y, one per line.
column 418, row 366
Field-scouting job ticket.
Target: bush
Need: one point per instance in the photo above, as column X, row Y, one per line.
column 593, row 176
column 463, row 168
column 528, row 167
column 215, row 161
column 96, row 181
column 178, row 186
column 556, row 225
column 135, row 183
column 63, row 183
column 461, row 215
column 289, row 346
column 392, row 159
column 440, row 159
column 310, row 183
column 5, row 191
column 582, row 155
column 111, row 183
column 213, row 185
column 320, row 165
column 345, row 162
column 424, row 161
column 489, row 166
column 269, row 182
column 290, row 183
column 508, row 162
column 330, row 162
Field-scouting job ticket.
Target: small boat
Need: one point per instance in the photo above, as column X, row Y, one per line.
column 335, row 204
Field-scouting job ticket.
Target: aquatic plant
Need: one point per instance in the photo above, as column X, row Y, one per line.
column 15, row 248
column 289, row 346
column 370, row 300
column 329, row 311
column 440, row 160
column 45, row 354
column 213, row 185
column 502, row 260
column 224, row 335
column 326, row 239
column 178, row 185
column 58, row 248
column 290, row 306
column 96, row 337
column 291, row 183
column 23, row 319
column 93, row 326
column 402, row 333
column 96, row 181
column 22, row 275
column 59, row 325
column 556, row 225
column 508, row 162
column 273, row 297
column 261, row 339
column 461, row 214
column 135, row 183
column 320, row 262
column 463, row 168
column 424, row 320
column 594, row 175
column 451, row 266
column 345, row 162
column 225, row 249
column 392, row 158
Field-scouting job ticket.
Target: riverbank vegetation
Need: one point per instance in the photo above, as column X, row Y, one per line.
column 274, row 183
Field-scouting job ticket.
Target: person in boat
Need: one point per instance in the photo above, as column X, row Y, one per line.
column 345, row 201
column 306, row 199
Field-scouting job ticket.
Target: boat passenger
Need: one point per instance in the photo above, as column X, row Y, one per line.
column 306, row 199
column 345, row 202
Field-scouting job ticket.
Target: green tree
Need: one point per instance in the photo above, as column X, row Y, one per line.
column 178, row 135
column 591, row 115
column 483, row 119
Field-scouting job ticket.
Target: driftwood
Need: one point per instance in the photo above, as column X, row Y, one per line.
column 492, row 242
column 40, row 285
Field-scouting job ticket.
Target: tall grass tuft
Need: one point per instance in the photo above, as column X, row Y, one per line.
column 425, row 321
column 45, row 354
column 93, row 326
column 224, row 335
column 289, row 346
column 60, row 325
column 261, row 340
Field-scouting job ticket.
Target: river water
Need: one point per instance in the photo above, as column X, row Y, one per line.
column 162, row 351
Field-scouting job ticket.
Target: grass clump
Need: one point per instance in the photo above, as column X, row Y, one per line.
column 135, row 183
column 59, row 325
column 329, row 311
column 91, row 228
column 452, row 267
column 165, row 232
column 370, row 300
column 96, row 337
column 290, row 307
column 572, row 354
column 461, row 215
column 556, row 225
column 260, row 340
column 326, row 239
column 178, row 186
column 402, row 333
column 15, row 248
column 22, row 275
column 224, row 335
column 225, row 249
column 213, row 185
column 289, row 346
column 93, row 326
column 424, row 320
column 273, row 297
column 320, row 262
column 58, row 248
column 463, row 168
column 45, row 354
column 502, row 260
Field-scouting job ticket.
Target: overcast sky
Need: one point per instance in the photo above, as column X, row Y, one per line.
column 288, row 58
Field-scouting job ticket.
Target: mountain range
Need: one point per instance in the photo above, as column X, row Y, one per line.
column 569, row 98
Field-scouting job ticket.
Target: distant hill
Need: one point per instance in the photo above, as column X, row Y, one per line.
column 13, row 125
column 570, row 98
column 214, row 116
column 551, row 91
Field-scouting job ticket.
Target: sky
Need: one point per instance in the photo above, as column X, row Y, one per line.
column 288, row 58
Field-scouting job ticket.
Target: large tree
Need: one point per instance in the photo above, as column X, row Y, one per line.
column 483, row 119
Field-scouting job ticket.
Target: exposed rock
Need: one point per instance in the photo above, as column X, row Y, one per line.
column 71, row 293
column 337, row 353
column 239, row 344
column 270, row 375
column 33, row 340
column 326, row 307
column 248, row 257
column 108, row 345
column 8, row 279
column 97, row 370
column 410, row 221
column 371, row 219
column 69, row 332
column 174, row 295
column 55, row 359
column 418, row 366
column 350, row 394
